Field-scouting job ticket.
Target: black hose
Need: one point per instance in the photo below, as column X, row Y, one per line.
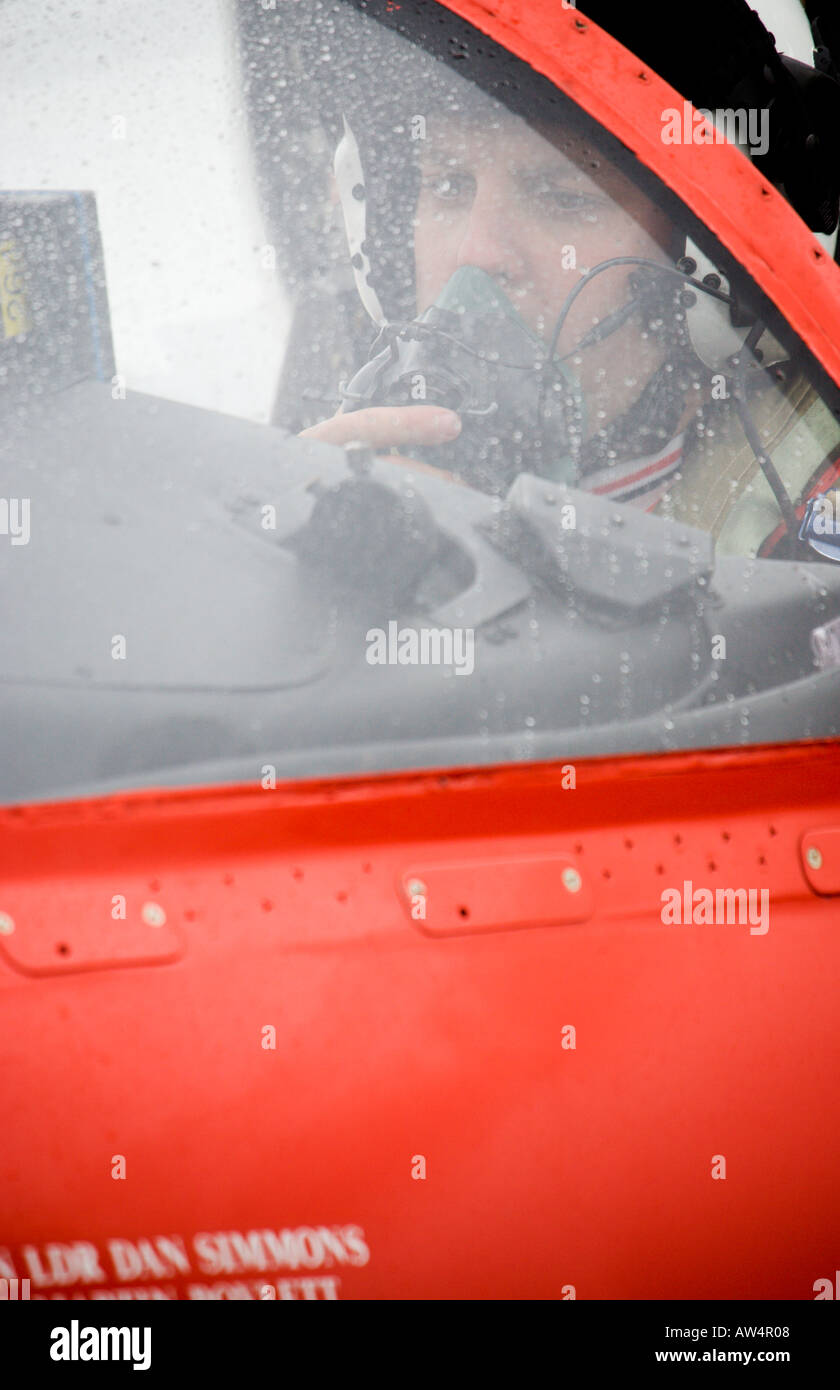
column 767, row 465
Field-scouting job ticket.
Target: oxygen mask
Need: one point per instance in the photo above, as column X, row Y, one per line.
column 471, row 352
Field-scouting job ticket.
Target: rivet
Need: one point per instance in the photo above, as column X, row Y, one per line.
column 572, row 880
column 814, row 857
column 7, row 924
column 153, row 914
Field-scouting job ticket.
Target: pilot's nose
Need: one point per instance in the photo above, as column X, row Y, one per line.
column 492, row 240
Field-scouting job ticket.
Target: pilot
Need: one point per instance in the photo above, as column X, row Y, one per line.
column 511, row 219
column 532, row 214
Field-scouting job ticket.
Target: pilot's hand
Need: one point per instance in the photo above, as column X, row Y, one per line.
column 387, row 427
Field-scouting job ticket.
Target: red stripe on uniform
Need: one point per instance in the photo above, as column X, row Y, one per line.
column 642, row 473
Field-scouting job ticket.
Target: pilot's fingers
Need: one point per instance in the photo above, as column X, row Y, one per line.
column 389, row 427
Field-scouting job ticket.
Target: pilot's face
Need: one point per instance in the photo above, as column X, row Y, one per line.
column 497, row 195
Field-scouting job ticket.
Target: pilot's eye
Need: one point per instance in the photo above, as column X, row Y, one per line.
column 551, row 197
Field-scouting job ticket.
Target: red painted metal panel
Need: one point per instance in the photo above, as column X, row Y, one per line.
column 495, row 892
column 554, row 1158
column 70, row 926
